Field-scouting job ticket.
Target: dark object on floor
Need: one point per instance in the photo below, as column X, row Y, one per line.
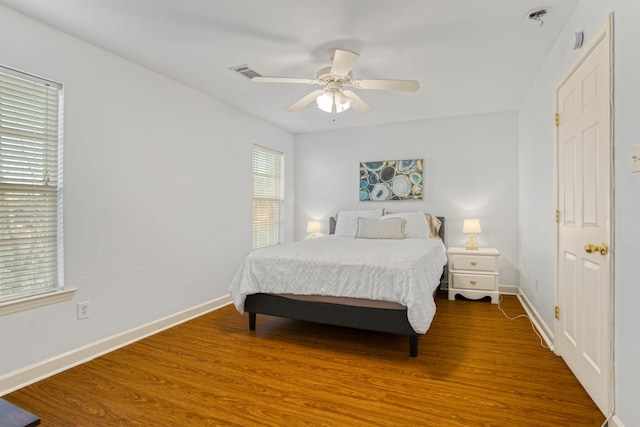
column 12, row 416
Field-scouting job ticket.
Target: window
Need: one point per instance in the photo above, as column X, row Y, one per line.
column 268, row 183
column 30, row 185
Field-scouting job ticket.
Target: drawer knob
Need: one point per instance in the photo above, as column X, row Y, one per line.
column 473, row 282
column 473, row 263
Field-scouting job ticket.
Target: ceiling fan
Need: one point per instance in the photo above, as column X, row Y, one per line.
column 333, row 98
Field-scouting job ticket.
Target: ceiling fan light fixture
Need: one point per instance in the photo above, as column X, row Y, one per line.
column 342, row 101
column 330, row 98
column 325, row 102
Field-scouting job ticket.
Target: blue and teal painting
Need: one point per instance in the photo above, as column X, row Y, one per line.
column 391, row 180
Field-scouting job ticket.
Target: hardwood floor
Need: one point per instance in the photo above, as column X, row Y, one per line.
column 475, row 368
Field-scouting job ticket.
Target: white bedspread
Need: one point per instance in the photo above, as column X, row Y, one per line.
column 404, row 271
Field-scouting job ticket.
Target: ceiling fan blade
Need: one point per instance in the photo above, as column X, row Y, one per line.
column 357, row 103
column 263, row 79
column 400, row 85
column 343, row 62
column 304, row 101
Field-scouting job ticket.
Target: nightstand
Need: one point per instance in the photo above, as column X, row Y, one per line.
column 473, row 273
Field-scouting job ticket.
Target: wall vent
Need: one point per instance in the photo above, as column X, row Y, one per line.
column 246, row 71
column 538, row 14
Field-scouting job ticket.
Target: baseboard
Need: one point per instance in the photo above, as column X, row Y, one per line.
column 41, row 370
column 614, row 421
column 508, row 290
column 533, row 314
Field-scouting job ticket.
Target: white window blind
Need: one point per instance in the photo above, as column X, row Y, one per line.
column 30, row 184
column 268, row 179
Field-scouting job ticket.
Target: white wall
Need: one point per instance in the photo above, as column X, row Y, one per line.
column 537, row 193
column 153, row 220
column 470, row 170
column 157, row 193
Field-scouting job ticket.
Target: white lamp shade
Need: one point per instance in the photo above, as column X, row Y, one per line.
column 471, row 226
column 325, row 102
column 313, row 226
column 332, row 97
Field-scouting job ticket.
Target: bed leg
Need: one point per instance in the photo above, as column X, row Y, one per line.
column 252, row 321
column 413, row 345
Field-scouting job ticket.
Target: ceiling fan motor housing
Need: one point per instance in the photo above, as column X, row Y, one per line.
column 325, row 76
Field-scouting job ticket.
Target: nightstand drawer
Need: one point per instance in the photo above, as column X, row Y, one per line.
column 472, row 281
column 474, row 262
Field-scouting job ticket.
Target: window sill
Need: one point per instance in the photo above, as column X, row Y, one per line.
column 38, row 300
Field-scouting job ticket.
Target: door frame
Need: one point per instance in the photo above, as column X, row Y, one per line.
column 605, row 30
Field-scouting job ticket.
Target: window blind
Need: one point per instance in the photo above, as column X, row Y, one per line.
column 268, row 178
column 30, row 165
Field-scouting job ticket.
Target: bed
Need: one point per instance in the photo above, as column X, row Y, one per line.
column 372, row 283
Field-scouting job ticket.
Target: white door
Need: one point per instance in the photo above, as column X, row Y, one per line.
column 584, row 326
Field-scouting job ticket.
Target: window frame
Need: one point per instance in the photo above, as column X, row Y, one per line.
column 28, row 187
column 268, row 220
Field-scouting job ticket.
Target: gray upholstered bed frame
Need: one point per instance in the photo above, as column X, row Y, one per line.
column 373, row 319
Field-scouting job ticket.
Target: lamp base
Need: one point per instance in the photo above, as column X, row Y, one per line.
column 472, row 242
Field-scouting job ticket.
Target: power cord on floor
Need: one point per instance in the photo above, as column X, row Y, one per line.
column 605, row 423
column 519, row 316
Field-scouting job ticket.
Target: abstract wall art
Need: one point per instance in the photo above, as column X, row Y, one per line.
column 391, row 180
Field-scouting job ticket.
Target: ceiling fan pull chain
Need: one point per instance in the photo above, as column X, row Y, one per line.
column 333, row 109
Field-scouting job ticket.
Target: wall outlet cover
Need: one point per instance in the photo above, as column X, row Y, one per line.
column 83, row 310
column 635, row 158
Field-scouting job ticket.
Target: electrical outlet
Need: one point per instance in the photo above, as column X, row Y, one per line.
column 536, row 283
column 635, row 158
column 83, row 310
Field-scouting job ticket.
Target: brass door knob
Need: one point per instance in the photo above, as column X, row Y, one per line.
column 591, row 248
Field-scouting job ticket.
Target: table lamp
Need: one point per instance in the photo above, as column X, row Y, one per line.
column 471, row 226
column 314, row 228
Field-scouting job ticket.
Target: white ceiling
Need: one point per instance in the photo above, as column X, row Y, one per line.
column 470, row 56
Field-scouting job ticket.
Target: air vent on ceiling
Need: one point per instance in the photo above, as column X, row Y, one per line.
column 538, row 14
column 245, row 70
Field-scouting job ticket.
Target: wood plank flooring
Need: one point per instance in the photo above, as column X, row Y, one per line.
column 475, row 368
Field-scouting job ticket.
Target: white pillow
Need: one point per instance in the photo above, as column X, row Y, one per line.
column 392, row 228
column 416, row 226
column 347, row 221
